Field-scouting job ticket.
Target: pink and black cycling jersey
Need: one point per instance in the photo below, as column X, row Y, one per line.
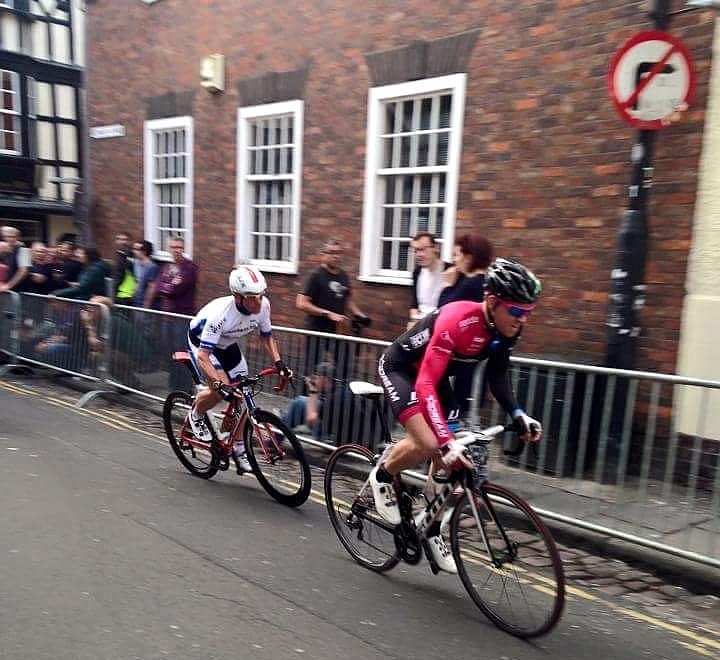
column 414, row 369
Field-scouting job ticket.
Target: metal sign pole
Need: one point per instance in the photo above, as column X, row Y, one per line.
column 628, row 275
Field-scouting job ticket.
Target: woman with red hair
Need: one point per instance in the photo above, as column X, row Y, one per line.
column 466, row 279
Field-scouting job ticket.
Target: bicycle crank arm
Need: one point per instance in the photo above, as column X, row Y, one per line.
column 407, row 547
column 431, row 560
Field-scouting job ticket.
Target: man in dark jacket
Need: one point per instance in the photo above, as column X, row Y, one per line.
column 427, row 276
column 177, row 281
column 92, row 278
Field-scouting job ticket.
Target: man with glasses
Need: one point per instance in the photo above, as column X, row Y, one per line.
column 213, row 338
column 427, row 276
column 415, row 368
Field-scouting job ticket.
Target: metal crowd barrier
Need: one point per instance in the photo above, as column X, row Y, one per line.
column 9, row 326
column 613, row 458
column 68, row 336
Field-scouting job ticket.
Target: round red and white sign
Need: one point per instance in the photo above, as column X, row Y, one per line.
column 651, row 79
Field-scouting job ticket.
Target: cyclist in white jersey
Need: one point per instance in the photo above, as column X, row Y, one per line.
column 213, row 338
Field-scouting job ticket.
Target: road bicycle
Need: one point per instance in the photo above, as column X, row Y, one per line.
column 274, row 452
column 505, row 556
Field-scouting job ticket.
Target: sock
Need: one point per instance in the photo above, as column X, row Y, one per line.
column 195, row 416
column 383, row 476
column 433, row 529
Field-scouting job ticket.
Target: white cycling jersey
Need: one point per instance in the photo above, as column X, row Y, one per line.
column 220, row 323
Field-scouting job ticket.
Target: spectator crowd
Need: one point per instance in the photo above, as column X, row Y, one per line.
column 69, row 270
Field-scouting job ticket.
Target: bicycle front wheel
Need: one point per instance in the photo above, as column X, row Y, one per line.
column 192, row 453
column 509, row 564
column 349, row 500
column 277, row 458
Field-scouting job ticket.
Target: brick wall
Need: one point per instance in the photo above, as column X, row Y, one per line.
column 545, row 160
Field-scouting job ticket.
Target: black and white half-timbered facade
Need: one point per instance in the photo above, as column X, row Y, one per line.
column 41, row 117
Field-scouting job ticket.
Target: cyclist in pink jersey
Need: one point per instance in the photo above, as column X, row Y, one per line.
column 415, row 368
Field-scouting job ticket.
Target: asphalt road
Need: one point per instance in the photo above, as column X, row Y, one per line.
column 109, row 549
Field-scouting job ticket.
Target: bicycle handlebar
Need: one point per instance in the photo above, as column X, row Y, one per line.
column 252, row 380
column 488, row 434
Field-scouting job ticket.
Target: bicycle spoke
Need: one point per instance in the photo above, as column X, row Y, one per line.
column 277, row 458
column 509, row 563
column 360, row 529
column 193, row 454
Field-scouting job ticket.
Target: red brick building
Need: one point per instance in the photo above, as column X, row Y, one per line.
column 369, row 121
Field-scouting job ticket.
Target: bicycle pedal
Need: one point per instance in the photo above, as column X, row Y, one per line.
column 221, row 459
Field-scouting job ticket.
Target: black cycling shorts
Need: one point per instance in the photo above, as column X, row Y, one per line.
column 398, row 380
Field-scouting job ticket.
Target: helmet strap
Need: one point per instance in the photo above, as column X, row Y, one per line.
column 242, row 309
column 489, row 316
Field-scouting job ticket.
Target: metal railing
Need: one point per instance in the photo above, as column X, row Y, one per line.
column 9, row 325
column 612, row 460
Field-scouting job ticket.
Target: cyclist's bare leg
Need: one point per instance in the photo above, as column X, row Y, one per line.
column 420, row 445
column 206, row 400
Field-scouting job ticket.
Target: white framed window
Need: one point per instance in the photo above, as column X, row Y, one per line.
column 169, row 183
column 10, row 113
column 269, row 165
column 412, row 162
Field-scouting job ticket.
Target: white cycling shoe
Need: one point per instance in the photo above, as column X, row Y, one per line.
column 200, row 428
column 242, row 464
column 384, row 496
column 442, row 554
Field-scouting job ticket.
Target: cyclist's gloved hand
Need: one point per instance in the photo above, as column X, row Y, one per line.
column 226, row 392
column 283, row 370
column 454, row 452
column 527, row 427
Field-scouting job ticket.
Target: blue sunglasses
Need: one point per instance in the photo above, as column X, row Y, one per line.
column 516, row 311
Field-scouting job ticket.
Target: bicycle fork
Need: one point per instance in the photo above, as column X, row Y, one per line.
column 492, row 554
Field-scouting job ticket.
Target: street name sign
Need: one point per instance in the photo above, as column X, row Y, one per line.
column 112, row 130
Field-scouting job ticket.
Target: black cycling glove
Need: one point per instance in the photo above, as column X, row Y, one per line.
column 283, row 370
column 226, row 392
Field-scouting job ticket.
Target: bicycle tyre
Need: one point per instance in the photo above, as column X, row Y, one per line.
column 199, row 462
column 285, row 475
column 530, row 595
column 345, row 476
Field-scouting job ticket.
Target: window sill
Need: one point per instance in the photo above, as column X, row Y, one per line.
column 274, row 267
column 386, row 279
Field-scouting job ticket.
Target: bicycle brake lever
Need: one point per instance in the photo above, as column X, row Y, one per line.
column 283, row 384
column 519, row 447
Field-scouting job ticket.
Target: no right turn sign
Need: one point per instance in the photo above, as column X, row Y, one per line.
column 651, row 79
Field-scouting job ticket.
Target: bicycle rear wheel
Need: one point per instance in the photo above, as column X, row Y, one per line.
column 193, row 454
column 364, row 534
column 520, row 585
column 277, row 458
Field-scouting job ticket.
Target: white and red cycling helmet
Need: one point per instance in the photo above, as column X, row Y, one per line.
column 247, row 281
